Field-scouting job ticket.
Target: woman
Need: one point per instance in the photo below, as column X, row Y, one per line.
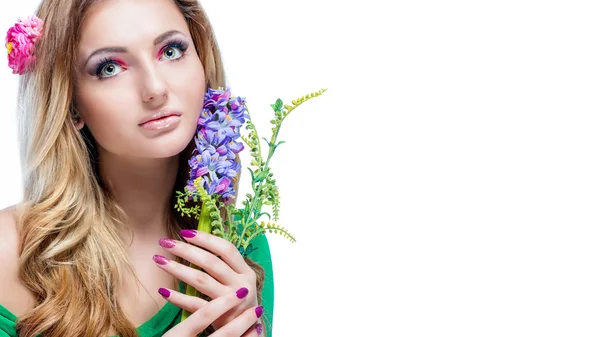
column 108, row 114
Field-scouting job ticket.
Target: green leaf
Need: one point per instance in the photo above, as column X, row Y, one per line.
column 261, row 176
column 251, row 173
column 268, row 142
column 276, row 145
column 277, row 106
column 265, row 213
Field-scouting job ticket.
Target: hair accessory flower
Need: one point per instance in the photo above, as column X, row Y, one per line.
column 20, row 40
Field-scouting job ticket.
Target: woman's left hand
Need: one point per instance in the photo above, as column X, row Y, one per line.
column 219, row 276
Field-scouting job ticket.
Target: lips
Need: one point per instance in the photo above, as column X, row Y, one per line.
column 158, row 116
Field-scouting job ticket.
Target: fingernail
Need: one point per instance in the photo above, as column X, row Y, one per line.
column 259, row 311
column 164, row 292
column 259, row 328
column 166, row 242
column 188, row 233
column 242, row 292
column 160, row 259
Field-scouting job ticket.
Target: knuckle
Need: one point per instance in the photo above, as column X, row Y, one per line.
column 209, row 259
column 196, row 306
column 199, row 259
column 250, row 285
column 251, row 277
column 230, row 249
column 200, row 277
column 203, row 316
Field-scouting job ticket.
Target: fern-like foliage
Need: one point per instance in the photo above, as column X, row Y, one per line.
column 182, row 199
column 253, row 143
column 271, row 193
column 209, row 205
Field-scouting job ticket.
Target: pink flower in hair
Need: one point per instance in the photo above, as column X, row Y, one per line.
column 20, row 40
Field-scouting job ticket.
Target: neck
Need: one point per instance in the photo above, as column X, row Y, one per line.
column 142, row 187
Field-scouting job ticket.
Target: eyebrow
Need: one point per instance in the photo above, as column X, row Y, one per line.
column 162, row 37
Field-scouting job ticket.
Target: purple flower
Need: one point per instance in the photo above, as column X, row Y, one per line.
column 229, row 150
column 197, row 169
column 223, row 122
column 238, row 110
column 222, row 186
column 210, row 140
column 215, row 100
column 232, row 171
column 213, row 159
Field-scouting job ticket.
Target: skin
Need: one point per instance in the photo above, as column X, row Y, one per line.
column 141, row 165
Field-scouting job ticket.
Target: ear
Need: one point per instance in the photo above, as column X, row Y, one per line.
column 76, row 116
column 78, row 122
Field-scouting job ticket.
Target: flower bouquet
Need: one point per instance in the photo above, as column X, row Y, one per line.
column 213, row 169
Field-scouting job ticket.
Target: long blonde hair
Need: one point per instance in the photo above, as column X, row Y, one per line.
column 72, row 257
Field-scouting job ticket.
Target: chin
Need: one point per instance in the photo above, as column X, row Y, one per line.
column 171, row 144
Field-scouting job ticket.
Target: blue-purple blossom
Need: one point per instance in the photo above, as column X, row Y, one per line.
column 223, row 122
column 210, row 140
column 213, row 159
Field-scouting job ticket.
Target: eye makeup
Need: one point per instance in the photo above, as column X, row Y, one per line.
column 174, row 43
column 98, row 67
column 103, row 63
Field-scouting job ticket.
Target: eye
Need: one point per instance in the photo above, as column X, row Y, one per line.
column 109, row 70
column 172, row 53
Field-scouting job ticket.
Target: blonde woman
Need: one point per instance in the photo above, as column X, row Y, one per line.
column 108, row 108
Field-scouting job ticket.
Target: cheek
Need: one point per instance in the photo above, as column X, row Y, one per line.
column 190, row 87
column 102, row 111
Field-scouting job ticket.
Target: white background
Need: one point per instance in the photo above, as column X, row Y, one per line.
column 447, row 183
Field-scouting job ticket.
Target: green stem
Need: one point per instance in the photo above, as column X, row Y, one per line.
column 203, row 226
column 271, row 151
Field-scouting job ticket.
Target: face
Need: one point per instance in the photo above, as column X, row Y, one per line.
column 136, row 59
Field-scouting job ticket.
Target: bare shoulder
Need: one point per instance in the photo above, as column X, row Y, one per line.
column 15, row 297
column 8, row 240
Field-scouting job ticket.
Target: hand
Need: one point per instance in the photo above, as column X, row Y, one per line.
column 221, row 277
column 244, row 325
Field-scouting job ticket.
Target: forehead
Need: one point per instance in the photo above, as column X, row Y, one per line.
column 128, row 23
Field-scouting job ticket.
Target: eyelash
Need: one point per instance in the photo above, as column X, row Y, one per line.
column 179, row 44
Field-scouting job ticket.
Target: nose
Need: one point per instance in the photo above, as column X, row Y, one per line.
column 154, row 90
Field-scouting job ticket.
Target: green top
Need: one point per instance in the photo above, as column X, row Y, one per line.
column 169, row 315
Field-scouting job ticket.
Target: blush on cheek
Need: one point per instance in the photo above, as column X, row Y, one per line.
column 192, row 88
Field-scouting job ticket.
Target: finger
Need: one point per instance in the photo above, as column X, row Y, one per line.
column 197, row 279
column 205, row 316
column 240, row 325
column 216, row 267
column 255, row 330
column 186, row 302
column 218, row 246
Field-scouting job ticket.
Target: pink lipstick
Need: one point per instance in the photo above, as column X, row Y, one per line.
column 161, row 121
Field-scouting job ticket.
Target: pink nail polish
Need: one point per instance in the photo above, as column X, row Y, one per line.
column 166, row 242
column 164, row 292
column 259, row 311
column 242, row 292
column 160, row 259
column 259, row 328
column 188, row 233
